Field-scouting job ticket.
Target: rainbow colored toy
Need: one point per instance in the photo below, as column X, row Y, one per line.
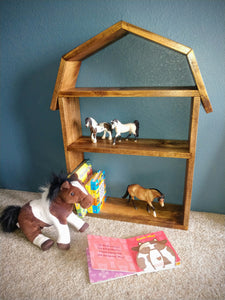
column 95, row 185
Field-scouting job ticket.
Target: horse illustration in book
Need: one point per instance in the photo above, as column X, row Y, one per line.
column 132, row 128
column 96, row 127
column 54, row 208
column 148, row 195
column 155, row 255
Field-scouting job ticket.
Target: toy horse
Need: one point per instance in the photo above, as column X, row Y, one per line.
column 132, row 128
column 148, row 195
column 54, row 208
column 97, row 128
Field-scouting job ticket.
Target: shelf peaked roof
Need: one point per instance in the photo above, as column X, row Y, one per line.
column 71, row 61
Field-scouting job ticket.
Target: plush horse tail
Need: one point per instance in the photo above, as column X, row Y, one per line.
column 137, row 127
column 126, row 193
column 9, row 218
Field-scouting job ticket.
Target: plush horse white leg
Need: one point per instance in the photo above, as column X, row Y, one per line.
column 77, row 222
column 41, row 242
column 63, row 241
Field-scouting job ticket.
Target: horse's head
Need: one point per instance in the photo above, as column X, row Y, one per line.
column 161, row 200
column 114, row 123
column 71, row 190
column 88, row 122
column 75, row 192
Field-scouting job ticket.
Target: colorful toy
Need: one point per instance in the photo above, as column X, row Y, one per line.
column 83, row 171
column 97, row 188
column 132, row 128
column 54, row 208
column 148, row 195
column 97, row 128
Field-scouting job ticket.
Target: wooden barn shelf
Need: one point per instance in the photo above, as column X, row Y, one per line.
column 170, row 215
column 66, row 98
column 130, row 92
column 143, row 147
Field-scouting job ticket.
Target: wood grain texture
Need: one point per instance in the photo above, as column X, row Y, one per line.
column 65, row 92
column 143, row 147
column 66, row 79
column 156, row 38
column 199, row 81
column 130, row 92
column 71, row 130
column 97, row 42
column 191, row 162
column 170, row 215
column 115, row 32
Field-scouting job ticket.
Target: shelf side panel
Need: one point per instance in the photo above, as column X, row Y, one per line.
column 190, row 163
column 71, row 130
column 66, row 79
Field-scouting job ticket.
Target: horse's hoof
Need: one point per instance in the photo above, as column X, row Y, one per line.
column 84, row 227
column 47, row 245
column 63, row 246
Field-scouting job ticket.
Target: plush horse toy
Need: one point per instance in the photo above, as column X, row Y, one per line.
column 97, row 128
column 132, row 128
column 147, row 195
column 54, row 208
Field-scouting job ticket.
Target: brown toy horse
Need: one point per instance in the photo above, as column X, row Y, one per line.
column 54, row 208
column 148, row 195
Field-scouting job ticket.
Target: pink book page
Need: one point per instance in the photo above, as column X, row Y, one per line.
column 152, row 252
column 96, row 276
column 108, row 253
column 145, row 253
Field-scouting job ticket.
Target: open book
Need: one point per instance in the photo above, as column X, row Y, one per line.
column 146, row 253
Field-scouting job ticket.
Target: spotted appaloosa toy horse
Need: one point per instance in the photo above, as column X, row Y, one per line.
column 97, row 128
column 54, row 208
column 132, row 128
column 148, row 195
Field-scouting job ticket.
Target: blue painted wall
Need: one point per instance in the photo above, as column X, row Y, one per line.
column 35, row 34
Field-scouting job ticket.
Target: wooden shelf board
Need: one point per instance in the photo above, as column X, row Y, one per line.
column 130, row 92
column 171, row 215
column 144, row 147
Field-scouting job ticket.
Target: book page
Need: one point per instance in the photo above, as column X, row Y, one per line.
column 97, row 276
column 153, row 252
column 108, row 253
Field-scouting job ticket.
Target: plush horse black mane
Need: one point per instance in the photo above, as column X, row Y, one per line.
column 56, row 182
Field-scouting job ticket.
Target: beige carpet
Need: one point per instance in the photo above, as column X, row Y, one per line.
column 29, row 273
